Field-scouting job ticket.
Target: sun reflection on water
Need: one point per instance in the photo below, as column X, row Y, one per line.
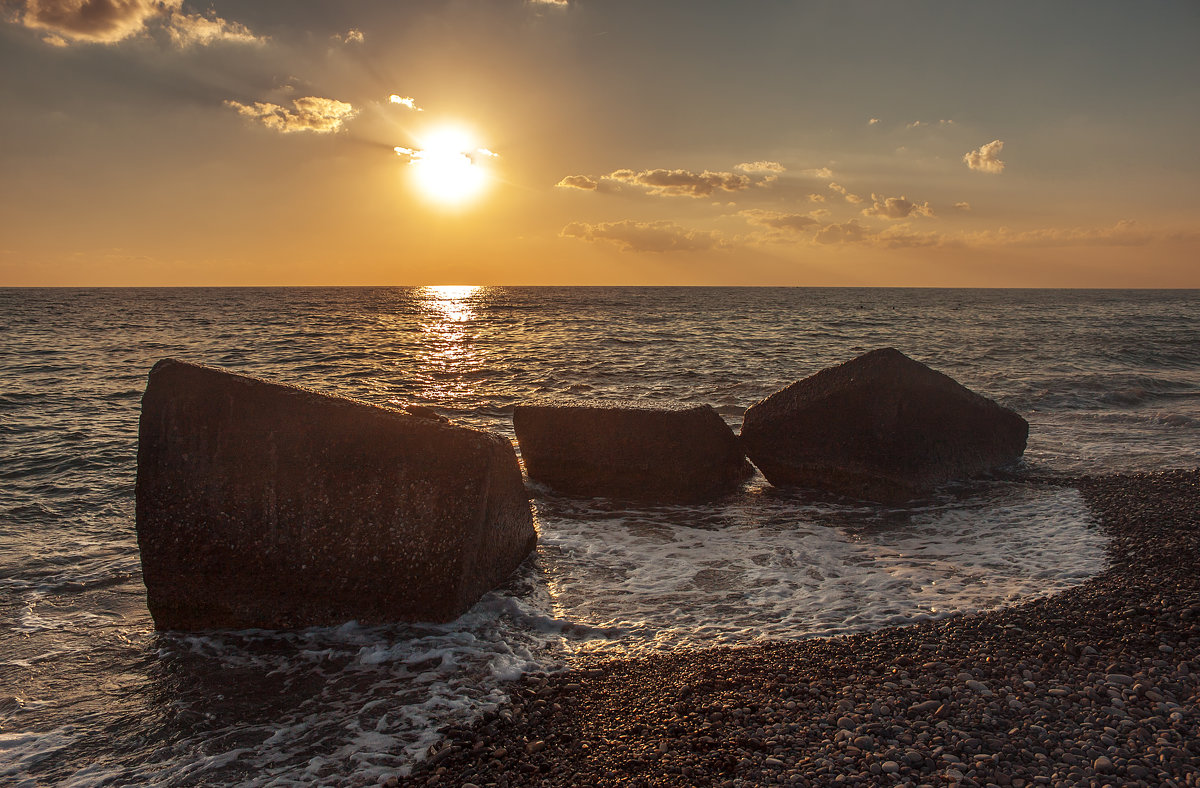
column 446, row 351
column 454, row 303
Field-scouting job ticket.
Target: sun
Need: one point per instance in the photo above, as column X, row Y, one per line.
column 448, row 167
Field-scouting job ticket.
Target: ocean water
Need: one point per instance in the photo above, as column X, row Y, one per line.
column 90, row 695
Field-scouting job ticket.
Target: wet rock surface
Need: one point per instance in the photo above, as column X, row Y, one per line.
column 880, row 427
column 623, row 450
column 1096, row 686
column 273, row 506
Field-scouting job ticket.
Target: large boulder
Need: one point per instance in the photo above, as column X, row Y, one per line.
column 881, row 427
column 274, row 506
column 665, row 453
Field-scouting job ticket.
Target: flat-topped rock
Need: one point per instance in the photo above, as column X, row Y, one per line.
column 267, row 505
column 655, row 453
column 880, row 427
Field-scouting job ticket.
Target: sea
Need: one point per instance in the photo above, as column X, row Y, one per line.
column 92, row 695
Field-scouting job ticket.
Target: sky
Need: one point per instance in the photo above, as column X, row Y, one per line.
column 378, row 142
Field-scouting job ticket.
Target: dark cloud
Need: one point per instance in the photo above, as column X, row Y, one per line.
column 633, row 236
column 101, row 21
column 110, row 21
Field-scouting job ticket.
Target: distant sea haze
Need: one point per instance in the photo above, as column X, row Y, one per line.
column 90, row 695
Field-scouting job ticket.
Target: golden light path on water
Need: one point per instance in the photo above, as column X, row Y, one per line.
column 446, row 348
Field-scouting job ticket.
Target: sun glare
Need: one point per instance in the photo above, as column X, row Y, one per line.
column 448, row 167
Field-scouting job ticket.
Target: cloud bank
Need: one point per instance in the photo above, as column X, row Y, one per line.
column 632, row 236
column 318, row 115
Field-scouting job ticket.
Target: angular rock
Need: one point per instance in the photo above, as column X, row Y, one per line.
column 274, row 506
column 660, row 453
column 880, row 427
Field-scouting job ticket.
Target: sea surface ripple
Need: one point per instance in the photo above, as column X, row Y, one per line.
column 90, row 695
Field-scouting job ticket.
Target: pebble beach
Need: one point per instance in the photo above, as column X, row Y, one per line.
column 1098, row 685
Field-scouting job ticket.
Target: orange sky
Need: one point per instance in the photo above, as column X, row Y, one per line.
column 922, row 144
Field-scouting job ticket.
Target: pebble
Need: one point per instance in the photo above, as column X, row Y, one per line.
column 1097, row 685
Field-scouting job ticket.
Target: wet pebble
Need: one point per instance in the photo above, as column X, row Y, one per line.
column 1097, row 685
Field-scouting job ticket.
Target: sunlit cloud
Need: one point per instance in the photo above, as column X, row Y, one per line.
column 351, row 36
column 824, row 173
column 633, row 236
column 311, row 113
column 986, row 158
column 896, row 207
column 111, row 21
column 873, row 122
column 578, row 182
column 405, row 101
column 920, row 124
column 760, row 167
column 816, row 197
column 197, row 30
column 846, row 194
column 681, row 183
column 962, row 206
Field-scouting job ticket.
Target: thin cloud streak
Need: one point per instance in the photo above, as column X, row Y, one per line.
column 681, row 183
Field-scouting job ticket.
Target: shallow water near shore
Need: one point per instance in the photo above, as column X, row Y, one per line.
column 90, row 695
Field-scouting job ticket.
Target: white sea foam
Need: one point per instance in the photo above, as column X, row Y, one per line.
column 21, row 751
column 770, row 568
column 612, row 580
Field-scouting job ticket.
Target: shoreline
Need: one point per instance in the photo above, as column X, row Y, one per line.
column 1096, row 685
